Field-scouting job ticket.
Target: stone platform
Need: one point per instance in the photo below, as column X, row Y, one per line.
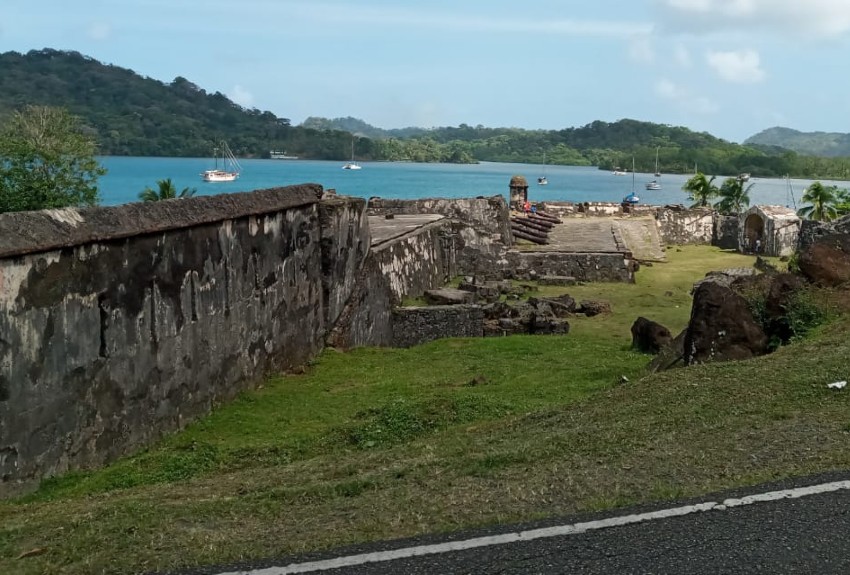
column 384, row 230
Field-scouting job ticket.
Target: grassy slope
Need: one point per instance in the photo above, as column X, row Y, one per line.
column 389, row 443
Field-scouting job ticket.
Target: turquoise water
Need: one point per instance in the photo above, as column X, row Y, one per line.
column 126, row 177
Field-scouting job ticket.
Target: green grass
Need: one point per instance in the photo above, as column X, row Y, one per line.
column 381, row 443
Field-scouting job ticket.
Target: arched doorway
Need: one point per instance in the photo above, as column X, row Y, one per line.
column 753, row 230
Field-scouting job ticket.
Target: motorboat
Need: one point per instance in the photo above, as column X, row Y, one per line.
column 653, row 185
column 619, row 172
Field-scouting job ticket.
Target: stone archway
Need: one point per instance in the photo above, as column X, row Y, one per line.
column 753, row 230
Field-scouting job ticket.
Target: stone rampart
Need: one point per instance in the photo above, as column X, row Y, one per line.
column 120, row 324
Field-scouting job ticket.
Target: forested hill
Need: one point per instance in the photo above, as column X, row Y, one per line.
column 129, row 114
column 134, row 115
column 823, row 144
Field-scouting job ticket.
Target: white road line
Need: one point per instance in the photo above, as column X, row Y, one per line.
column 556, row 531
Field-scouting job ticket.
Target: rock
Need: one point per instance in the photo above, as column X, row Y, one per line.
column 543, row 325
column 592, row 308
column 826, row 261
column 488, row 293
column 725, row 277
column 721, row 328
column 670, row 356
column 448, row 296
column 649, row 336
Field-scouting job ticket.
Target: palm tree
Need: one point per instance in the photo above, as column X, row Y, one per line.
column 822, row 199
column 165, row 191
column 700, row 190
column 735, row 197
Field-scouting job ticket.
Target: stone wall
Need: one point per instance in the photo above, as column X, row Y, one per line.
column 586, row 267
column 120, row 324
column 417, row 325
column 419, row 261
column 682, row 226
column 726, row 232
column 479, row 232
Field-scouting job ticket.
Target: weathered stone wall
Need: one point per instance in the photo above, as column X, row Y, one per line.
column 367, row 317
column 473, row 239
column 682, row 226
column 417, row 325
column 345, row 245
column 487, row 215
column 587, row 267
column 419, row 261
column 726, row 232
column 120, row 324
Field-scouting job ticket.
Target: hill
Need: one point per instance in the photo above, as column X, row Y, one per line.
column 134, row 115
column 820, row 144
column 130, row 114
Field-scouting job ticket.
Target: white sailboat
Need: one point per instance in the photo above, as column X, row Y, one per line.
column 542, row 181
column 633, row 197
column 352, row 165
column 657, row 173
column 229, row 169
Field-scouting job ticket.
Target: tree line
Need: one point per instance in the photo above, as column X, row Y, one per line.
column 127, row 114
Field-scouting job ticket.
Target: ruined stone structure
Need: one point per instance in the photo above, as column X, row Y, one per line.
column 121, row 324
column 776, row 229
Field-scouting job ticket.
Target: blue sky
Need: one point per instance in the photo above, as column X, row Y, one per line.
column 727, row 67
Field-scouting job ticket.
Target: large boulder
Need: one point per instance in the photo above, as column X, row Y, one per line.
column 826, row 261
column 649, row 336
column 721, row 328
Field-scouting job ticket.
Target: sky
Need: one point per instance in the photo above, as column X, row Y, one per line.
column 727, row 67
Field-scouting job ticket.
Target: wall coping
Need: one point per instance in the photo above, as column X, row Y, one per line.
column 46, row 230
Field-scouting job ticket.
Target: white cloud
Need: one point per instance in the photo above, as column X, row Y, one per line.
column 241, row 96
column 100, row 31
column 683, row 98
column 818, row 17
column 742, row 67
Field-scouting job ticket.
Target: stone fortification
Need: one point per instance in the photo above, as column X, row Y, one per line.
column 120, row 324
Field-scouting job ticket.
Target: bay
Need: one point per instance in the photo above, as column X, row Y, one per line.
column 127, row 176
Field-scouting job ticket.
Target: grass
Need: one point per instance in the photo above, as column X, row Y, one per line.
column 382, row 443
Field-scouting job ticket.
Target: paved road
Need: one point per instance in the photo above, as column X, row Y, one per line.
column 801, row 530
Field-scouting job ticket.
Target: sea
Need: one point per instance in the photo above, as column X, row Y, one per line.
column 127, row 176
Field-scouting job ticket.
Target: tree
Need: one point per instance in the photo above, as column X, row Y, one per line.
column 46, row 161
column 735, row 197
column 165, row 191
column 822, row 199
column 700, row 190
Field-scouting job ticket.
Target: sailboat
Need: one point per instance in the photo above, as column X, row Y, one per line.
column 542, row 181
column 352, row 165
column 654, row 184
column 633, row 197
column 229, row 169
column 657, row 173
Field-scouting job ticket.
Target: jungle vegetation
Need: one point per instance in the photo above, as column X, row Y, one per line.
column 128, row 114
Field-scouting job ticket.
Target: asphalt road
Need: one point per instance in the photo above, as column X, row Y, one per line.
column 738, row 533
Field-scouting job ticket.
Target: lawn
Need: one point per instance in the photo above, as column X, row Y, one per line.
column 381, row 443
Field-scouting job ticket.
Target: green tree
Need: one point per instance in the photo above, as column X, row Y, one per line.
column 700, row 190
column 734, row 196
column 822, row 202
column 46, row 161
column 165, row 191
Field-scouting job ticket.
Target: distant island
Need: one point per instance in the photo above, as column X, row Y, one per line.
column 132, row 115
